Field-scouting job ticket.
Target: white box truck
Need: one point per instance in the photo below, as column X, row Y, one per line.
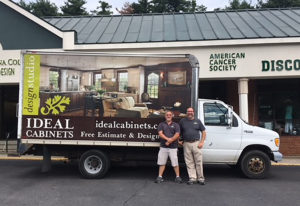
column 100, row 108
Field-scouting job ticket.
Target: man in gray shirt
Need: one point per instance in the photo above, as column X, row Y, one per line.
column 192, row 144
column 169, row 134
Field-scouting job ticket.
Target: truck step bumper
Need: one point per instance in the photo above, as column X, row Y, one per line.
column 277, row 156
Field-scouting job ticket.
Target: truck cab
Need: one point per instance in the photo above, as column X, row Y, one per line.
column 232, row 141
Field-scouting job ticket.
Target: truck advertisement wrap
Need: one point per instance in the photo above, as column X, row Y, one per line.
column 101, row 97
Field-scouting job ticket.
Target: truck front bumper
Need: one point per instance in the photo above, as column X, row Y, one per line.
column 277, row 156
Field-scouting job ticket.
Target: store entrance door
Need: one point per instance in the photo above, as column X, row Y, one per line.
column 9, row 95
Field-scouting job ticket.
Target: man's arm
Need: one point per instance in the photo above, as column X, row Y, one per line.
column 175, row 137
column 161, row 135
column 172, row 139
column 201, row 143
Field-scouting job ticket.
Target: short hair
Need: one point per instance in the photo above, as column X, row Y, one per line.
column 168, row 112
column 190, row 108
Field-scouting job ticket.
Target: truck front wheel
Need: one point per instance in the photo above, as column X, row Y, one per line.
column 93, row 164
column 255, row 164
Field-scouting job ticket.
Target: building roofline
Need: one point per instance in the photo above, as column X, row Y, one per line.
column 33, row 18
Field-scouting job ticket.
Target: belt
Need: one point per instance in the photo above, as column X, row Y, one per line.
column 191, row 141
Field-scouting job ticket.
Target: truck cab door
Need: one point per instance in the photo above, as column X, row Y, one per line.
column 223, row 140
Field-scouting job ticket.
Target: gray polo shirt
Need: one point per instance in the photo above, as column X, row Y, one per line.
column 168, row 131
column 190, row 129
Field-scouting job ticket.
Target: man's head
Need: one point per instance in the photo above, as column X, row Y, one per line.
column 169, row 116
column 190, row 113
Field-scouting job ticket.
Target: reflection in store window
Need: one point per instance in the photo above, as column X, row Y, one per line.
column 279, row 106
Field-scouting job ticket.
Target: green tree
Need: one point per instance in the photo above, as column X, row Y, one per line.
column 142, row 6
column 164, row 6
column 278, row 3
column 194, row 7
column 24, row 5
column 238, row 4
column 74, row 8
column 126, row 9
column 104, row 9
column 161, row 6
column 44, row 8
column 40, row 7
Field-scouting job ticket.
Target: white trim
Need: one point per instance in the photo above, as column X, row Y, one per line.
column 1, row 48
column 32, row 17
column 185, row 44
column 69, row 40
column 91, row 143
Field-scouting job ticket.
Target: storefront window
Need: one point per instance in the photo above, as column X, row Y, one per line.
column 279, row 105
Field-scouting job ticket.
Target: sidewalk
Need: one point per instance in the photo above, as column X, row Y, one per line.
column 287, row 161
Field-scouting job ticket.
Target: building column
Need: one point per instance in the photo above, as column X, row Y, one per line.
column 63, row 80
column 243, row 98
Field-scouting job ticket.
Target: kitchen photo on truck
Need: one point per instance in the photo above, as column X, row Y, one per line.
column 102, row 97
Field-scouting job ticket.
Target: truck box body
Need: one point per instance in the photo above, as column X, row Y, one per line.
column 101, row 99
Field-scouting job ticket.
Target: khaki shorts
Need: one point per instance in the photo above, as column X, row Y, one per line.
column 163, row 155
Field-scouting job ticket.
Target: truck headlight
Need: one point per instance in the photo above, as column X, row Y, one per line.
column 277, row 142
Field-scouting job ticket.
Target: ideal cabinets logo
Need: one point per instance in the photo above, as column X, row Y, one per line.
column 49, row 128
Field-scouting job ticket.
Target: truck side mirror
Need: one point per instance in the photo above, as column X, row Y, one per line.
column 229, row 116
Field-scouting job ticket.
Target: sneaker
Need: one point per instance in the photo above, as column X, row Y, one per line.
column 159, row 180
column 178, row 180
column 201, row 182
column 191, row 182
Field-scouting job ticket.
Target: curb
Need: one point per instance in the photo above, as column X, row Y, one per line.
column 285, row 164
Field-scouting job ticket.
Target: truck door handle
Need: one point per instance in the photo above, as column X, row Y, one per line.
column 248, row 131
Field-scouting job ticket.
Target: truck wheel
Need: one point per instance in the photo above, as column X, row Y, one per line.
column 93, row 164
column 255, row 164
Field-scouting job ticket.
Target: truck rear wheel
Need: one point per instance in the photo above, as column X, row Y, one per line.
column 94, row 164
column 255, row 164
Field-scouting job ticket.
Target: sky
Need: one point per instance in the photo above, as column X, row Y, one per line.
column 92, row 4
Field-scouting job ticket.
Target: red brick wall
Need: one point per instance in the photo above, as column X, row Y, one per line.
column 290, row 145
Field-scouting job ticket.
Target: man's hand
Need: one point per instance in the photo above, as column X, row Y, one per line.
column 200, row 145
column 167, row 143
column 180, row 143
column 170, row 140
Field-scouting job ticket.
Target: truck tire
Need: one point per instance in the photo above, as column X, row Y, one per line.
column 255, row 164
column 93, row 164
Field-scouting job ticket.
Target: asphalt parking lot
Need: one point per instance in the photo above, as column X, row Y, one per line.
column 24, row 184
